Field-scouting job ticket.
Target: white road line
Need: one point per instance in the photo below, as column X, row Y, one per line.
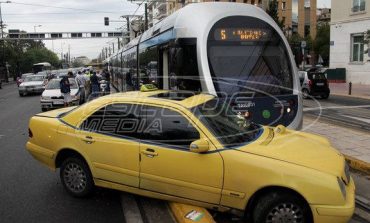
column 358, row 118
column 336, row 107
column 130, row 209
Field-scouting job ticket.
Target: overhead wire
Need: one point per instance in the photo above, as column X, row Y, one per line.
column 58, row 7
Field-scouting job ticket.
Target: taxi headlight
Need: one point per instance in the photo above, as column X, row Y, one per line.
column 342, row 187
column 45, row 97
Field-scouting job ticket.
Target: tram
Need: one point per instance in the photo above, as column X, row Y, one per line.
column 233, row 50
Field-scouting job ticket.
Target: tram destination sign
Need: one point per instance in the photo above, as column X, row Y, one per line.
column 241, row 34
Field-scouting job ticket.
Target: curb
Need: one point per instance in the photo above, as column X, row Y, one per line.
column 351, row 96
column 358, row 165
column 185, row 213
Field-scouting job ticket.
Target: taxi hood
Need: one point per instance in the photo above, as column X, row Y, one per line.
column 298, row 148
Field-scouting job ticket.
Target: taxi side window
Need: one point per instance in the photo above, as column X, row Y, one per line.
column 115, row 119
column 165, row 126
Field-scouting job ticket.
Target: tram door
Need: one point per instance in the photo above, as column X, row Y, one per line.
column 165, row 69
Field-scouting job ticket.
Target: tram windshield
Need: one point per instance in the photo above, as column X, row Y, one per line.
column 246, row 55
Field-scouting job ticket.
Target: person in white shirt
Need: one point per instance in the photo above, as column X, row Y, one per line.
column 81, row 81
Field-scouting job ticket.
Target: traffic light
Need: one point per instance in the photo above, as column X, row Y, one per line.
column 106, row 21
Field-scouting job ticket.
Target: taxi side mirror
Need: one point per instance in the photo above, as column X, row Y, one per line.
column 199, row 146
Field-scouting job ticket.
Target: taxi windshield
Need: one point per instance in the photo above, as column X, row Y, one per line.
column 229, row 127
column 33, row 78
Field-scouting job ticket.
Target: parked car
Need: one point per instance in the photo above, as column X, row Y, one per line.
column 52, row 97
column 32, row 84
column 20, row 79
column 314, row 82
column 192, row 148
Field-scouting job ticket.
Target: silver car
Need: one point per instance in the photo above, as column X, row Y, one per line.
column 52, row 97
column 32, row 84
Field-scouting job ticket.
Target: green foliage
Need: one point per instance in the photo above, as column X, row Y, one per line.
column 321, row 45
column 22, row 54
column 273, row 12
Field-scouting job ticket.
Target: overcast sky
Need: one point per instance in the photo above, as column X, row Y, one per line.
column 72, row 16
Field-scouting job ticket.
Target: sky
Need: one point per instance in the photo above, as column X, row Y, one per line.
column 74, row 16
column 69, row 16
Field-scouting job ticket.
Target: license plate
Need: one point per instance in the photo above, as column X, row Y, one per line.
column 58, row 102
column 320, row 84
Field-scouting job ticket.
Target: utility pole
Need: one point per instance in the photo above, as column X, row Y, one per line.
column 2, row 26
column 146, row 16
column 69, row 54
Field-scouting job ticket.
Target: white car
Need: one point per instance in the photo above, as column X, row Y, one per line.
column 32, row 84
column 53, row 98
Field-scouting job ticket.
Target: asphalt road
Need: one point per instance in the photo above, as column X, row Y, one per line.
column 29, row 192
column 345, row 111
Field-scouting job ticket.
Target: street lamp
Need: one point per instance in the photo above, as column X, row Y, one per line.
column 34, row 27
column 3, row 41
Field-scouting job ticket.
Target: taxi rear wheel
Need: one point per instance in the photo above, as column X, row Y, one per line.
column 281, row 207
column 76, row 177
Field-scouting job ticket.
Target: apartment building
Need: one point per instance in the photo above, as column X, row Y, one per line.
column 158, row 10
column 350, row 20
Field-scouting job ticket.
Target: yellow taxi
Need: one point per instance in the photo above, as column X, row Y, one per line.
column 191, row 148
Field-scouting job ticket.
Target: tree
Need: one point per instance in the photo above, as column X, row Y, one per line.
column 321, row 45
column 273, row 12
column 37, row 55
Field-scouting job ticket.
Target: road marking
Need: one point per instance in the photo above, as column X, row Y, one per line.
column 335, row 107
column 358, row 118
column 130, row 209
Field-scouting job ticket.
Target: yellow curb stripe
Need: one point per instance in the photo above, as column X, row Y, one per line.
column 358, row 164
column 181, row 210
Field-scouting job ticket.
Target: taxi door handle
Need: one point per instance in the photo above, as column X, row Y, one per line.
column 149, row 153
column 88, row 140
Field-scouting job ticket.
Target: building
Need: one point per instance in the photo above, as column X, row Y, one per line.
column 323, row 16
column 299, row 16
column 349, row 22
column 159, row 10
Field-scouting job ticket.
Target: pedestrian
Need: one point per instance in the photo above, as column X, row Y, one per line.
column 81, row 81
column 94, row 81
column 65, row 89
column 70, row 74
column 106, row 75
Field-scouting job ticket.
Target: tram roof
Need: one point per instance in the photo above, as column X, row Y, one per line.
column 192, row 20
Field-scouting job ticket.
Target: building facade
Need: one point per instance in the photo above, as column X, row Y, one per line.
column 350, row 20
column 159, row 10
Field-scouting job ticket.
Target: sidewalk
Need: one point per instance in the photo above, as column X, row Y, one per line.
column 358, row 90
column 355, row 145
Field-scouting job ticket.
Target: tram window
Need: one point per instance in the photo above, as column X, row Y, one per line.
column 258, row 65
column 183, row 68
column 148, row 59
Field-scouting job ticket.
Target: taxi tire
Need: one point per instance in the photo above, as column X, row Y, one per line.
column 267, row 202
column 89, row 188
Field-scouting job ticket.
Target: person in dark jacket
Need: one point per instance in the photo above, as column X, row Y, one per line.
column 94, row 81
column 65, row 89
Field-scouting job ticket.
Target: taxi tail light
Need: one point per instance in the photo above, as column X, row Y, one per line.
column 30, row 134
column 310, row 83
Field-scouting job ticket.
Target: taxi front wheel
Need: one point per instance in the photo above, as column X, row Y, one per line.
column 76, row 177
column 281, row 207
